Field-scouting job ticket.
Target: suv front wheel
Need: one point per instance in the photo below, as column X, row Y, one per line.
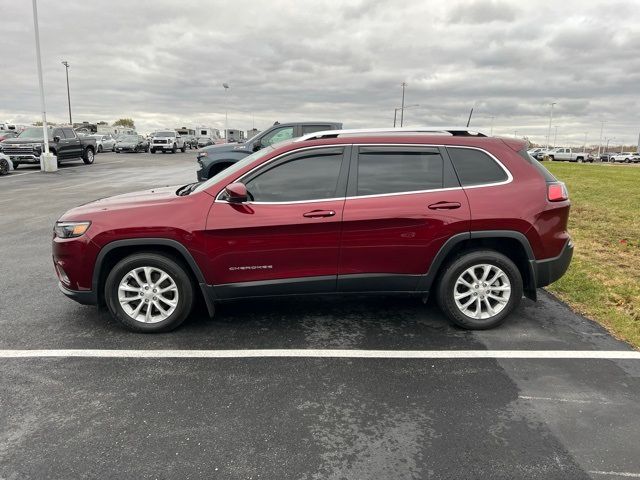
column 479, row 289
column 148, row 292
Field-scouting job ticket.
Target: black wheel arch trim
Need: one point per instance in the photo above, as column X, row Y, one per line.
column 151, row 242
column 428, row 278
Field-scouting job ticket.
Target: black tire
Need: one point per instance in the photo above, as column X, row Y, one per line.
column 455, row 268
column 4, row 166
column 99, row 148
column 88, row 156
column 174, row 149
column 16, row 165
column 152, row 150
column 551, row 158
column 184, row 148
column 174, row 269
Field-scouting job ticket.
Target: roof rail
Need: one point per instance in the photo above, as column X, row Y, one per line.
column 453, row 131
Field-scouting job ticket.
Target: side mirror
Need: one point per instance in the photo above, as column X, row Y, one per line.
column 237, row 192
column 256, row 146
column 56, row 138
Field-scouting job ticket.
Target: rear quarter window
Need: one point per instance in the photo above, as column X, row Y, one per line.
column 538, row 166
column 475, row 167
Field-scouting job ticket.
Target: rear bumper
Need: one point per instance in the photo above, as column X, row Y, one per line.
column 549, row 270
column 85, row 297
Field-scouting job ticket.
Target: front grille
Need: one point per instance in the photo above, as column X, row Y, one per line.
column 160, row 141
column 15, row 150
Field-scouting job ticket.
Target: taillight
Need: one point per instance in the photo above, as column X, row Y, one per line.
column 557, row 192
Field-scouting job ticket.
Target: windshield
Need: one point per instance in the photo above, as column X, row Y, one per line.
column 129, row 138
column 164, row 134
column 35, row 132
column 234, row 168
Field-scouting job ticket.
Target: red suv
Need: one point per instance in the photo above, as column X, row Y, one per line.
column 473, row 219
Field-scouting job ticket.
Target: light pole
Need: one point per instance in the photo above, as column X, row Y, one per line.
column 491, row 134
column 515, row 133
column 602, row 122
column 395, row 112
column 403, row 84
column 584, row 146
column 66, row 67
column 607, row 147
column 226, row 113
column 555, row 137
column 550, row 119
column 47, row 161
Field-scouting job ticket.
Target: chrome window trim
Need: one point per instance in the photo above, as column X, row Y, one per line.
column 355, row 197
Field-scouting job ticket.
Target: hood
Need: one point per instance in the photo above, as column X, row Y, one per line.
column 227, row 147
column 139, row 199
column 24, row 141
column 127, row 142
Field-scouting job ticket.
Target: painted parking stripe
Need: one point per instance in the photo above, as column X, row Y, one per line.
column 615, row 474
column 329, row 353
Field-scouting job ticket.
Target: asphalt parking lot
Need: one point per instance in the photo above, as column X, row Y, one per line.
column 244, row 415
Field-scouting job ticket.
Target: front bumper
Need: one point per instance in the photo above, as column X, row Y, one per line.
column 162, row 146
column 549, row 270
column 85, row 297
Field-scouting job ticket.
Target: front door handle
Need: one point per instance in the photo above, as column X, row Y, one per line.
column 444, row 205
column 319, row 213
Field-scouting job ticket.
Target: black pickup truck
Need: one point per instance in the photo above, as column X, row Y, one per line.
column 215, row 158
column 63, row 143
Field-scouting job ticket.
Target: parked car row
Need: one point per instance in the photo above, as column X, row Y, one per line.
column 561, row 154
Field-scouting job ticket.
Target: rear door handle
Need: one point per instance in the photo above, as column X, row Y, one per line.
column 444, row 205
column 319, row 213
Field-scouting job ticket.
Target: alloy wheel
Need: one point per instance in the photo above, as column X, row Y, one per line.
column 482, row 291
column 148, row 294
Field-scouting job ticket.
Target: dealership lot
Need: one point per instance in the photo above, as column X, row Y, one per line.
column 304, row 416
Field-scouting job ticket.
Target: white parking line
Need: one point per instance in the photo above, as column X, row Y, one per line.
column 616, row 474
column 563, row 400
column 329, row 353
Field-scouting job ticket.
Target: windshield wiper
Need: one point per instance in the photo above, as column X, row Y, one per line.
column 187, row 189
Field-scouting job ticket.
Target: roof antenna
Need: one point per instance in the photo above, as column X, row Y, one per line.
column 470, row 113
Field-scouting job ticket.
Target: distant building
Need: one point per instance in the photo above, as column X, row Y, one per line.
column 252, row 133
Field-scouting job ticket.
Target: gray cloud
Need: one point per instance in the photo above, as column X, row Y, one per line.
column 163, row 63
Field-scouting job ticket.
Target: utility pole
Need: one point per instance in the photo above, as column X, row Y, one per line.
column 403, row 84
column 555, row 137
column 550, row 119
column 602, row 122
column 226, row 113
column 48, row 162
column 66, row 67
column 515, row 133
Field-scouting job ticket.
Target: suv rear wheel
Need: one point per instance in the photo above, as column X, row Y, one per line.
column 88, row 156
column 148, row 292
column 478, row 290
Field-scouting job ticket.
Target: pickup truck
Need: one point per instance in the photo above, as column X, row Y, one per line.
column 215, row 158
column 63, row 143
column 568, row 155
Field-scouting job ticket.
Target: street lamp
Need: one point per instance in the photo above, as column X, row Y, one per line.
column 66, row 67
column 403, row 85
column 226, row 113
column 395, row 112
column 602, row 122
column 48, row 161
column 555, row 137
column 607, row 147
column 550, row 119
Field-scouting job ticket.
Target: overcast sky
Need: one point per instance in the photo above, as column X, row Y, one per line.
column 163, row 63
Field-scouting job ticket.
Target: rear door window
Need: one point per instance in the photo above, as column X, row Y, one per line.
column 475, row 167
column 388, row 170
column 68, row 133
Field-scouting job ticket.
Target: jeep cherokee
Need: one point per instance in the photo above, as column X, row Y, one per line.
column 474, row 220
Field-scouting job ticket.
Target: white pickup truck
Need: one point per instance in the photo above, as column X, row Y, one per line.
column 569, row 155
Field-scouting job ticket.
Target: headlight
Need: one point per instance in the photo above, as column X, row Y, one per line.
column 202, row 154
column 70, row 229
